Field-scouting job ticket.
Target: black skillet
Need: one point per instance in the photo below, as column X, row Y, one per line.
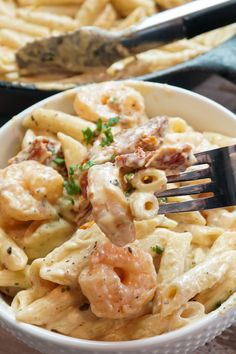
column 221, row 60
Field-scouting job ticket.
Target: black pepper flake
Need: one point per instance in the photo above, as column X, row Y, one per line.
column 84, row 307
column 95, row 244
column 16, row 284
column 130, row 250
column 33, row 120
column 9, row 250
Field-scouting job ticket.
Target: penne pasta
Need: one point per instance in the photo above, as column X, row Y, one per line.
column 17, row 279
column 55, row 122
column 127, row 7
column 205, row 275
column 149, row 180
column 74, row 152
column 39, row 240
column 89, row 11
column 107, row 18
column 23, row 27
column 11, row 255
column 143, row 205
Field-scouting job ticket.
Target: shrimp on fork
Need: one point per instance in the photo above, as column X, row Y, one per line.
column 118, row 282
column 110, row 207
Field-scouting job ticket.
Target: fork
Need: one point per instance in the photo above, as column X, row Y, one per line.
column 220, row 169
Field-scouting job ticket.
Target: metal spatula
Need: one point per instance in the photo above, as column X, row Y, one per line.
column 88, row 47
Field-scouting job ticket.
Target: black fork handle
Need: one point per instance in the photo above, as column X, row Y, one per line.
column 204, row 21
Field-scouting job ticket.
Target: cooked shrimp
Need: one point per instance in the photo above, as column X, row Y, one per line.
column 118, row 282
column 110, row 100
column 110, row 207
column 27, row 190
column 147, row 136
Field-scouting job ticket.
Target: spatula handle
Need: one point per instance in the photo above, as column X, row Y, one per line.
column 209, row 19
column 185, row 21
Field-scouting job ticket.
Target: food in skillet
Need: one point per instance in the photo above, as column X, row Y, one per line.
column 83, row 250
column 23, row 21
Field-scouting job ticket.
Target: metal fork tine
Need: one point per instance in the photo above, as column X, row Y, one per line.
column 202, row 158
column 189, row 176
column 190, row 205
column 188, row 190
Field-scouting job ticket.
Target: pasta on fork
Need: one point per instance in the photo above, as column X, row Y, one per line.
column 83, row 250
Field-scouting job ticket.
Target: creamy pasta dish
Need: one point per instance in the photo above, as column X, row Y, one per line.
column 83, row 250
column 24, row 21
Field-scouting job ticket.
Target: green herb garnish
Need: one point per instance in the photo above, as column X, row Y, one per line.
column 128, row 177
column 113, row 99
column 59, row 161
column 72, row 187
column 99, row 125
column 73, row 169
column 87, row 165
column 88, row 135
column 108, row 139
column 111, row 122
column 163, row 200
column 129, row 190
column 157, row 249
column 113, row 157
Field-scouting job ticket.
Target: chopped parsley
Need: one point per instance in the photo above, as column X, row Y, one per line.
column 99, row 125
column 129, row 190
column 113, row 157
column 113, row 99
column 59, row 161
column 108, row 138
column 111, row 122
column 87, row 165
column 88, row 135
column 128, row 177
column 101, row 128
column 73, row 168
column 72, row 187
column 157, row 249
column 163, row 200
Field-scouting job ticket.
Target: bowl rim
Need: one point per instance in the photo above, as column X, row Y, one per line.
column 7, row 314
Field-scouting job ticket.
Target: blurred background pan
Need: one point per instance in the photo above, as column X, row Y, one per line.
column 221, row 60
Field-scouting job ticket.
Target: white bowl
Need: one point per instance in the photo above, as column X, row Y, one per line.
column 202, row 114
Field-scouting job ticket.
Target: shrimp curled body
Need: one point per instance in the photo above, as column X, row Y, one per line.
column 27, row 189
column 118, row 282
